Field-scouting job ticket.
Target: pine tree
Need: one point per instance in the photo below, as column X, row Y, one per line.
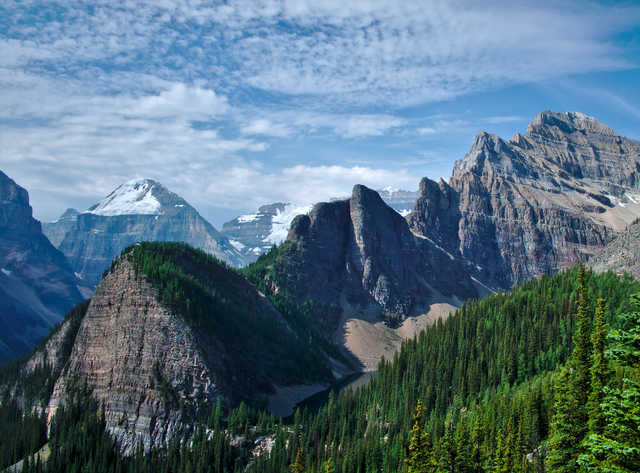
column 600, row 371
column 618, row 448
column 300, row 465
column 420, row 450
column 572, row 390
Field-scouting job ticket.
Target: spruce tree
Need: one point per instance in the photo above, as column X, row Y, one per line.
column 572, row 389
column 600, row 371
column 420, row 458
column 618, row 448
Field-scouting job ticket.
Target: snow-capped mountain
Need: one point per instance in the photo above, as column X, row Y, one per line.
column 138, row 210
column 134, row 197
column 256, row 233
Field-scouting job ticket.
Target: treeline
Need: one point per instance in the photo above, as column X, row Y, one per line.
column 543, row 378
column 24, row 394
column 183, row 277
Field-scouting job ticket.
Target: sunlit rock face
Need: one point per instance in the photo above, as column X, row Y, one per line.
column 138, row 210
column 536, row 204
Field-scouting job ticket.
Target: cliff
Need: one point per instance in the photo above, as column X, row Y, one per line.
column 37, row 284
column 536, row 204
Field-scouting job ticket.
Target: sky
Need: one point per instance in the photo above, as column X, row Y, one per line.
column 237, row 104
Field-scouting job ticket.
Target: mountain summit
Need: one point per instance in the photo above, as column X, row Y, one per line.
column 536, row 204
column 138, row 210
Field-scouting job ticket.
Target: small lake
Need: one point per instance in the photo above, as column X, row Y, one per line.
column 316, row 401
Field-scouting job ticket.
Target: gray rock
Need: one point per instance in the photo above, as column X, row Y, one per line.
column 37, row 284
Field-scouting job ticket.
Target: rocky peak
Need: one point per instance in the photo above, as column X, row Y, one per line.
column 536, row 204
column 360, row 252
column 553, row 124
column 138, row 210
column 37, row 284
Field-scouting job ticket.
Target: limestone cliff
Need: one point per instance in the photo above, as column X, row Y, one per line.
column 621, row 255
column 361, row 252
column 157, row 368
column 536, row 204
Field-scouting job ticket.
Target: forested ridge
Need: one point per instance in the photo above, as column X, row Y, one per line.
column 492, row 388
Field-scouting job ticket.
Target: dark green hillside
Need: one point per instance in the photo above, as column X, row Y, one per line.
column 222, row 304
column 25, row 431
column 494, row 388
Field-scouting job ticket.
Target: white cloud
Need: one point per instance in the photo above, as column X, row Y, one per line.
column 265, row 127
column 509, row 119
column 442, row 126
column 368, row 126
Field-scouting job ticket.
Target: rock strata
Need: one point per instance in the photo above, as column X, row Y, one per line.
column 621, row 255
column 139, row 210
column 534, row 205
column 37, row 284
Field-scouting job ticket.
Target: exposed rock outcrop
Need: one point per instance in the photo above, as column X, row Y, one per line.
column 361, row 251
column 621, row 255
column 536, row 204
column 55, row 231
column 157, row 371
column 37, row 285
column 256, row 233
column 139, row 210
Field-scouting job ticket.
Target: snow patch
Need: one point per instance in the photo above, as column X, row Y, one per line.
column 257, row 250
column 632, row 199
column 249, row 218
column 237, row 245
column 390, row 190
column 8, row 273
column 179, row 205
column 79, row 276
column 281, row 222
column 621, row 204
column 131, row 198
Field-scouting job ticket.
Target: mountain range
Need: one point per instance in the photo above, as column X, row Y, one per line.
column 352, row 279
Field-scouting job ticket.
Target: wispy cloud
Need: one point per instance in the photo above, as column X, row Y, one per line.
column 96, row 93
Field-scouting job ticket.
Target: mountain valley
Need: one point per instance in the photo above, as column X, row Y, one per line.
column 469, row 306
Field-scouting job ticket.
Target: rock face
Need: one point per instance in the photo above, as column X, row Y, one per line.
column 536, row 204
column 621, row 255
column 138, row 210
column 399, row 200
column 37, row 285
column 154, row 372
column 55, row 231
column 361, row 252
column 256, row 233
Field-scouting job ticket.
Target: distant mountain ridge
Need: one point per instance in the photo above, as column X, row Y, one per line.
column 37, row 284
column 254, row 234
column 138, row 210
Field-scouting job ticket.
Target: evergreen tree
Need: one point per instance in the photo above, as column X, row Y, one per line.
column 420, row 458
column 618, row 448
column 300, row 465
column 572, row 390
column 600, row 371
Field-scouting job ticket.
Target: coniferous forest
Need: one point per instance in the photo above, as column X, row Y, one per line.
column 545, row 377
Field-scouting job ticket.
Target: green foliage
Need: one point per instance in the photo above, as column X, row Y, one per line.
column 420, row 458
column 617, row 449
column 190, row 282
column 24, row 431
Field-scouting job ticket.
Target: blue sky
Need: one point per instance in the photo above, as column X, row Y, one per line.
column 237, row 104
